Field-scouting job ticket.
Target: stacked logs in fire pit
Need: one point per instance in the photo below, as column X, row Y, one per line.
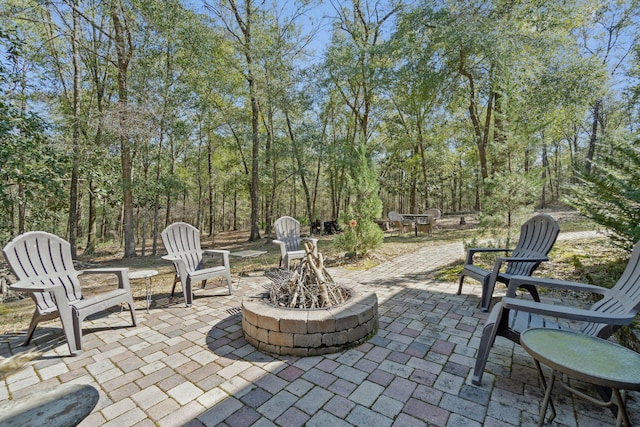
column 309, row 286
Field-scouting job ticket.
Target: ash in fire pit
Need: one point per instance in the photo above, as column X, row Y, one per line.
column 309, row 286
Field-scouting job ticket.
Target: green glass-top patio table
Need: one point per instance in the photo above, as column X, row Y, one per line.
column 589, row 359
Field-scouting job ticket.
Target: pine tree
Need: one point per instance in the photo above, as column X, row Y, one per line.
column 361, row 233
column 610, row 195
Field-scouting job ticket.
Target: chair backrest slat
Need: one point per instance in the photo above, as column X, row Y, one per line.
column 183, row 240
column 537, row 237
column 42, row 258
column 288, row 230
column 623, row 298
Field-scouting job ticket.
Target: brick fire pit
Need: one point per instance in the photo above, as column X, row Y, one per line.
column 309, row 332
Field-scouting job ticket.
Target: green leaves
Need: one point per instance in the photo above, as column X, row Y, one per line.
column 31, row 168
column 610, row 195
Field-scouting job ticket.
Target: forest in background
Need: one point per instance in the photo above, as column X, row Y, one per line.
column 118, row 117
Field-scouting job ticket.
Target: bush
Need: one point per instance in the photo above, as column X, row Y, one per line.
column 360, row 236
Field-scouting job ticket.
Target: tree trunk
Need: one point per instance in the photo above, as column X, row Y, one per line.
column 172, row 165
column 480, row 139
column 254, row 187
column 270, row 166
column 75, row 157
column 593, row 139
column 210, row 182
column 92, row 219
column 99, row 76
column 124, row 52
column 545, row 166
column 22, row 211
column 298, row 155
column 199, row 179
column 255, row 153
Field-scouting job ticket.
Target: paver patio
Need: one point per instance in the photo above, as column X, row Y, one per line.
column 192, row 366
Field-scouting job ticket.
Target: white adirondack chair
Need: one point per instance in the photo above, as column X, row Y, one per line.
column 182, row 242
column 288, row 238
column 43, row 265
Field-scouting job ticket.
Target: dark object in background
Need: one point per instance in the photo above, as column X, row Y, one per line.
column 330, row 227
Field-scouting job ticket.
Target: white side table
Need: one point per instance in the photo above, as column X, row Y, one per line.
column 146, row 275
column 248, row 255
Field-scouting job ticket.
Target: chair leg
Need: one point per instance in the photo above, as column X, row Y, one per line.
column 72, row 328
column 77, row 332
column 486, row 342
column 460, row 285
column 533, row 291
column 229, row 282
column 188, row 294
column 132, row 310
column 488, row 286
column 173, row 288
column 35, row 319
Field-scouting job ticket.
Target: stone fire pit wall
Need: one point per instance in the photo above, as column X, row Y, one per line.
column 309, row 332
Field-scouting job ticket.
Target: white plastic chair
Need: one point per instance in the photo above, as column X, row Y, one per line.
column 288, row 238
column 182, row 242
column 43, row 264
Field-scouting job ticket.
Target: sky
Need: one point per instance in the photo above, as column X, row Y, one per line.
column 318, row 19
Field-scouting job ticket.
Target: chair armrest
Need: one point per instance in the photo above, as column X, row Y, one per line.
column 32, row 287
column 283, row 247
column 121, row 272
column 565, row 312
column 58, row 292
column 225, row 255
column 310, row 239
column 522, row 259
column 216, row 251
column 519, row 281
column 106, row 270
column 179, row 265
column 473, row 251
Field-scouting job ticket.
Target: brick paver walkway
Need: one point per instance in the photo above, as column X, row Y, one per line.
column 193, row 367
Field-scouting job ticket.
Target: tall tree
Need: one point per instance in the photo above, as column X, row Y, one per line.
column 124, row 53
column 609, row 40
column 354, row 58
column 238, row 19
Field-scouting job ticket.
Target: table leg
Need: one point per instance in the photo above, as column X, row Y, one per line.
column 244, row 267
column 244, row 261
column 623, row 415
column 547, row 394
column 147, row 284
